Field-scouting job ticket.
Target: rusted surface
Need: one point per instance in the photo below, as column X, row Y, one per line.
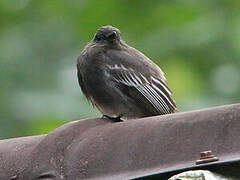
column 98, row 148
column 14, row 154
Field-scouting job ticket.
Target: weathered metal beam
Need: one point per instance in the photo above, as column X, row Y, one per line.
column 99, row 148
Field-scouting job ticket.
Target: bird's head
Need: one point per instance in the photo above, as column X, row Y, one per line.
column 107, row 34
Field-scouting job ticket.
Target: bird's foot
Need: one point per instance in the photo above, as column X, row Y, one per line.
column 115, row 119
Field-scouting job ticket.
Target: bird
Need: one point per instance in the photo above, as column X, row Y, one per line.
column 121, row 81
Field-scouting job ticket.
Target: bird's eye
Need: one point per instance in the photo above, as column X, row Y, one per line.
column 97, row 37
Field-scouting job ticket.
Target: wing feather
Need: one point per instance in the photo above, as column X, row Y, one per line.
column 153, row 89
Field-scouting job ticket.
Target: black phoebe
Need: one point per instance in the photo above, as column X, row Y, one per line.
column 121, row 81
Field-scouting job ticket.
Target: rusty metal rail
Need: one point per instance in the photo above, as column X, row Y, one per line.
column 155, row 147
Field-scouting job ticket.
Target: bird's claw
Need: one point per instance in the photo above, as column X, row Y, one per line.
column 115, row 119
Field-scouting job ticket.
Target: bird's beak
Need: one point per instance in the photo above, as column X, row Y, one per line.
column 112, row 34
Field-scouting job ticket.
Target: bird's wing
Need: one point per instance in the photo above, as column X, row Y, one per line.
column 153, row 89
column 80, row 77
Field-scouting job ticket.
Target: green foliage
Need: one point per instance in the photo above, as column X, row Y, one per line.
column 196, row 43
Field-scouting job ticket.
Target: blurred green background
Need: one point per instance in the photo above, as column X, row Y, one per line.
column 196, row 43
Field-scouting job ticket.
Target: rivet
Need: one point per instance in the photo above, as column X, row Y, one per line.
column 207, row 157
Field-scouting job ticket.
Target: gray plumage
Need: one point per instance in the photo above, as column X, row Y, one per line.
column 121, row 81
